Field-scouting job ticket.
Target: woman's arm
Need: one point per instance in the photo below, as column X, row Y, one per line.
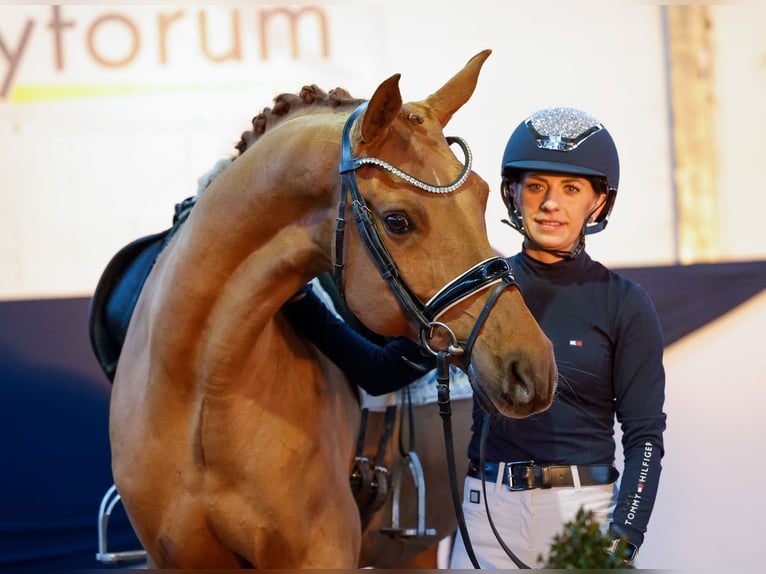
column 377, row 368
column 639, row 401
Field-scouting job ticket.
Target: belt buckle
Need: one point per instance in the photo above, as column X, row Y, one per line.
column 509, row 469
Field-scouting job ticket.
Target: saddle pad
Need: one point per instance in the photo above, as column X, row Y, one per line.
column 119, row 287
column 422, row 391
column 116, row 295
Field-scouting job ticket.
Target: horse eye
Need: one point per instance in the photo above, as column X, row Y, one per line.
column 398, row 223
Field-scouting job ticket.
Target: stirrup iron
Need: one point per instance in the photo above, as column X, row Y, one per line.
column 412, row 462
column 111, row 498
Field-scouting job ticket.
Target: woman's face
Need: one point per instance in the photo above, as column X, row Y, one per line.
column 554, row 207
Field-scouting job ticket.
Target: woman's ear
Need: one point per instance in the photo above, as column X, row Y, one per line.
column 598, row 206
column 516, row 191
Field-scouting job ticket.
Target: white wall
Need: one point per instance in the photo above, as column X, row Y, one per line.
column 709, row 511
column 85, row 175
column 741, row 123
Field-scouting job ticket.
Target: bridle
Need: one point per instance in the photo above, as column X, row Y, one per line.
column 493, row 271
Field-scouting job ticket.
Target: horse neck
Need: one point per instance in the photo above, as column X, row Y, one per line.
column 264, row 226
column 257, row 234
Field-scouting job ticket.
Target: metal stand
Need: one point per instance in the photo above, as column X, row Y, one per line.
column 111, row 498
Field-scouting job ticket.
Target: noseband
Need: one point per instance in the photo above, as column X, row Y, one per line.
column 495, row 270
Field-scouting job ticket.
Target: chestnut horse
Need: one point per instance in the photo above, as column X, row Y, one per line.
column 232, row 438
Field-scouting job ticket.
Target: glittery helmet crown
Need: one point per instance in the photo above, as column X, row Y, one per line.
column 564, row 140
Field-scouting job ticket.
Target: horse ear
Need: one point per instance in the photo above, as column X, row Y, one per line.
column 456, row 92
column 381, row 111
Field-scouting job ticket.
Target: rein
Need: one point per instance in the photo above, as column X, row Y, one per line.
column 495, row 270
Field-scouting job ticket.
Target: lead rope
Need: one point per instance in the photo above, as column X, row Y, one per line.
column 482, row 459
column 445, row 408
column 445, row 411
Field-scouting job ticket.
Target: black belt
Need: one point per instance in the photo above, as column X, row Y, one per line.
column 528, row 475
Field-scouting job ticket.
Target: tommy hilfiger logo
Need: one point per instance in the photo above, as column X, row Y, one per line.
column 575, row 343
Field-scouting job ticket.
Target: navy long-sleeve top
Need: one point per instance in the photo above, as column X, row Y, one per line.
column 372, row 363
column 608, row 345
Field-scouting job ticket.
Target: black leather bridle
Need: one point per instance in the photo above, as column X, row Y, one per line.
column 493, row 271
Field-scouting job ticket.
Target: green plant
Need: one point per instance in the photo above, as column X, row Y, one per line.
column 582, row 545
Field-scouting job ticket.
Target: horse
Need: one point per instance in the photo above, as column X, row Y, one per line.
column 232, row 437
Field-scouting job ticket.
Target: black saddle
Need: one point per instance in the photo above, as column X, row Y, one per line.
column 114, row 300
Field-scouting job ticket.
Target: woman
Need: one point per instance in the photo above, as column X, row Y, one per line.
column 560, row 174
column 559, row 182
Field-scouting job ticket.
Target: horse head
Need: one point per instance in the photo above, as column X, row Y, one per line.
column 425, row 210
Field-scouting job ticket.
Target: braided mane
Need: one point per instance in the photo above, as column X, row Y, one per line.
column 285, row 104
column 308, row 99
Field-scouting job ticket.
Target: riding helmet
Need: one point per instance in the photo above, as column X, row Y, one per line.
column 564, row 140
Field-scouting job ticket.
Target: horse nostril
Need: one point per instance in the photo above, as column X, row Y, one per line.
column 523, row 393
column 520, row 391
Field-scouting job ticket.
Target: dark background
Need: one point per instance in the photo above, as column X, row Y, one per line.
column 54, row 408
